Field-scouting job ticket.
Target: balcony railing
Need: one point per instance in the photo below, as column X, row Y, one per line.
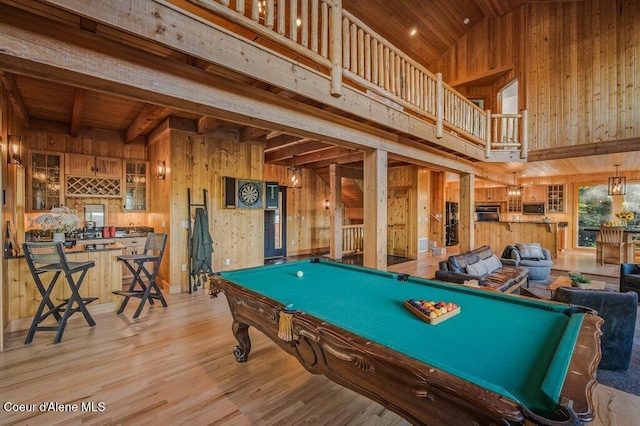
column 346, row 49
column 352, row 239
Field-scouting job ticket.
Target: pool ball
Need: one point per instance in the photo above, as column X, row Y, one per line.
column 299, row 274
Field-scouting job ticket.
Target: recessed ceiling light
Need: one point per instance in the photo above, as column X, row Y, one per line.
column 413, row 32
column 466, row 21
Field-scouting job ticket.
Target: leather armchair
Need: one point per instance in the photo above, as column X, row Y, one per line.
column 619, row 311
column 539, row 266
column 630, row 277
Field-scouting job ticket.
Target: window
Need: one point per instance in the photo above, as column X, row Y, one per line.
column 508, row 98
column 555, row 199
column 594, row 208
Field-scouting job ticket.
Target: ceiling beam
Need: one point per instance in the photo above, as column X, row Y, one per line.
column 326, row 154
column 297, row 149
column 585, row 150
column 345, row 159
column 282, row 141
column 15, row 97
column 249, row 133
column 76, row 114
column 149, row 117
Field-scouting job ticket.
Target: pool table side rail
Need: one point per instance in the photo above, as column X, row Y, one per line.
column 580, row 380
column 417, row 391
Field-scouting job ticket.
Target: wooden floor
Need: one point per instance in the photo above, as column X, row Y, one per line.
column 175, row 365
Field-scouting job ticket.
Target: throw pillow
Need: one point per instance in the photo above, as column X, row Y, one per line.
column 478, row 269
column 530, row 251
column 493, row 263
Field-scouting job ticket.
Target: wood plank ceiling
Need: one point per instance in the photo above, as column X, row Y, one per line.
column 439, row 23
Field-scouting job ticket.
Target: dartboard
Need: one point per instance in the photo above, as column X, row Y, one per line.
column 249, row 193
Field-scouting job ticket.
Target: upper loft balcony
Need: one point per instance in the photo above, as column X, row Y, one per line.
column 322, row 36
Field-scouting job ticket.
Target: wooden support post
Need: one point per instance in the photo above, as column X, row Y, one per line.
column 524, row 147
column 487, row 147
column 335, row 41
column 375, row 209
column 335, row 212
column 439, row 105
column 466, row 234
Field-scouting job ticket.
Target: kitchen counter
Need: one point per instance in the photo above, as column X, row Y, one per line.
column 101, row 280
column 498, row 235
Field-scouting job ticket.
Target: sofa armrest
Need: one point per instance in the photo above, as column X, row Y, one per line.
column 458, row 277
column 509, row 262
column 546, row 253
column 629, row 269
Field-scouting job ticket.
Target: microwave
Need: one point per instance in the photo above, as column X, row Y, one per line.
column 533, row 208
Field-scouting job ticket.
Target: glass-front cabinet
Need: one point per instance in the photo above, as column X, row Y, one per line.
column 136, row 178
column 44, row 180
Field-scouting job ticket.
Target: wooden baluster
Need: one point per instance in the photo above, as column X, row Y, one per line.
column 439, row 105
column 487, row 146
column 255, row 11
column 387, row 69
column 346, row 48
column 324, row 40
column 361, row 52
column 269, row 14
column 282, row 14
column 524, row 144
column 304, row 17
column 293, row 16
column 240, row 7
column 367, row 57
column 374, row 61
column 314, row 25
column 353, row 34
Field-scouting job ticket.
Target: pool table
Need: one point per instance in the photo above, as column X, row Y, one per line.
column 501, row 360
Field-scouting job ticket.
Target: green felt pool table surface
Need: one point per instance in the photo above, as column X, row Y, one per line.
column 514, row 346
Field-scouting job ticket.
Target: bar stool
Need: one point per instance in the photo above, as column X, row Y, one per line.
column 43, row 257
column 153, row 251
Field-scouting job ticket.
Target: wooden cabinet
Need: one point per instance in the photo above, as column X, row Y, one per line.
column 555, row 199
column 136, row 185
column 88, row 165
column 44, row 180
column 537, row 193
column 490, row 195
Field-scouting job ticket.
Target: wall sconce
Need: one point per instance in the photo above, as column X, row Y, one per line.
column 162, row 169
column 327, row 204
column 14, row 150
column 617, row 184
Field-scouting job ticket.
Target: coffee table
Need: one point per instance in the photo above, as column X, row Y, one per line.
column 566, row 282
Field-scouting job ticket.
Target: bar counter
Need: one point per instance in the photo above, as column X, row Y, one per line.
column 498, row 235
column 101, row 280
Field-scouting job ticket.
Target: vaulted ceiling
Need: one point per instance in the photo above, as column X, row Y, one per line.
column 438, row 23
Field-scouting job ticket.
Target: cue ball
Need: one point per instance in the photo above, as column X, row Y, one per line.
column 299, row 274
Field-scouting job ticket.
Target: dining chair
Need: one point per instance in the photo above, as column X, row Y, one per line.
column 610, row 245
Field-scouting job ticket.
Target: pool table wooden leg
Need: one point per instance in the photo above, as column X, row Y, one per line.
column 241, row 333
